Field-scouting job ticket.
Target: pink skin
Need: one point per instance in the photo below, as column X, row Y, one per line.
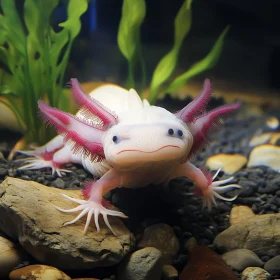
column 52, row 155
column 197, row 106
column 201, row 122
column 156, row 166
column 203, row 125
column 92, row 107
column 85, row 137
column 204, row 187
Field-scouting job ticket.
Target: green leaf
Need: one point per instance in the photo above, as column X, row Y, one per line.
column 164, row 69
column 168, row 63
column 14, row 26
column 66, row 103
column 33, row 53
column 133, row 14
column 71, row 29
column 8, row 84
column 3, row 30
column 183, row 23
column 59, row 40
column 75, row 9
column 5, row 89
column 37, row 16
column 4, row 56
column 36, row 27
column 206, row 63
column 37, row 19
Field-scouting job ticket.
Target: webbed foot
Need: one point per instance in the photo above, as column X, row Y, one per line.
column 214, row 190
column 90, row 208
column 37, row 162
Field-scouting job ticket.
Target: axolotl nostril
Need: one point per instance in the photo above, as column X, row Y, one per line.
column 129, row 143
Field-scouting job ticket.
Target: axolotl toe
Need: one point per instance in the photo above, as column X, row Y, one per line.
column 129, row 143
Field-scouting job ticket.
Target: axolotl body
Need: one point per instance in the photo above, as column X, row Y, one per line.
column 129, row 143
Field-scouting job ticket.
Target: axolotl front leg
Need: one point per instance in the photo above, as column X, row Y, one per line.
column 204, row 185
column 93, row 206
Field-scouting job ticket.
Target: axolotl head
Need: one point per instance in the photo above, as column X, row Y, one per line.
column 146, row 136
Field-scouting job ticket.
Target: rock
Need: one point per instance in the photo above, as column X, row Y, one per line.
column 144, row 264
column 273, row 265
column 162, row 237
column 169, row 272
column 274, row 138
column 27, row 213
column 239, row 259
column 59, row 183
column 255, row 273
column 38, row 272
column 258, row 140
column 203, row 263
column 11, row 255
column 230, row 163
column 267, row 155
column 240, row 213
column 260, row 234
column 265, row 138
column 272, row 122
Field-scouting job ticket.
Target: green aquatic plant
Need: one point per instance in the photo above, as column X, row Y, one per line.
column 33, row 58
column 129, row 42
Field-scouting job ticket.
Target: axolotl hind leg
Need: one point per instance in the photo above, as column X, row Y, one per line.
column 52, row 155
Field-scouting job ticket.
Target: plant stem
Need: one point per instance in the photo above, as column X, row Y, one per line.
column 130, row 83
column 63, row 67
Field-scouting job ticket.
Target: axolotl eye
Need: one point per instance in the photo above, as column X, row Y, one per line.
column 180, row 133
column 115, row 139
column 170, row 131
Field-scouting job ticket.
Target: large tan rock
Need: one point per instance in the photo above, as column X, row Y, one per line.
column 240, row 213
column 27, row 213
column 260, row 234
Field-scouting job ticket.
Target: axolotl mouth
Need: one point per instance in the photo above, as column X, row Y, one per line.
column 149, row 152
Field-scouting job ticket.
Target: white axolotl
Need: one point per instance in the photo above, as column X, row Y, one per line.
column 128, row 143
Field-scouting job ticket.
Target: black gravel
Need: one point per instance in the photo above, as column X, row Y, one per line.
column 176, row 205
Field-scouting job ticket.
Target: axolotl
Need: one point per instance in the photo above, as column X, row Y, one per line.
column 126, row 142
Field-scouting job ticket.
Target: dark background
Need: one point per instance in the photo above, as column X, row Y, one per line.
column 250, row 59
column 251, row 55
